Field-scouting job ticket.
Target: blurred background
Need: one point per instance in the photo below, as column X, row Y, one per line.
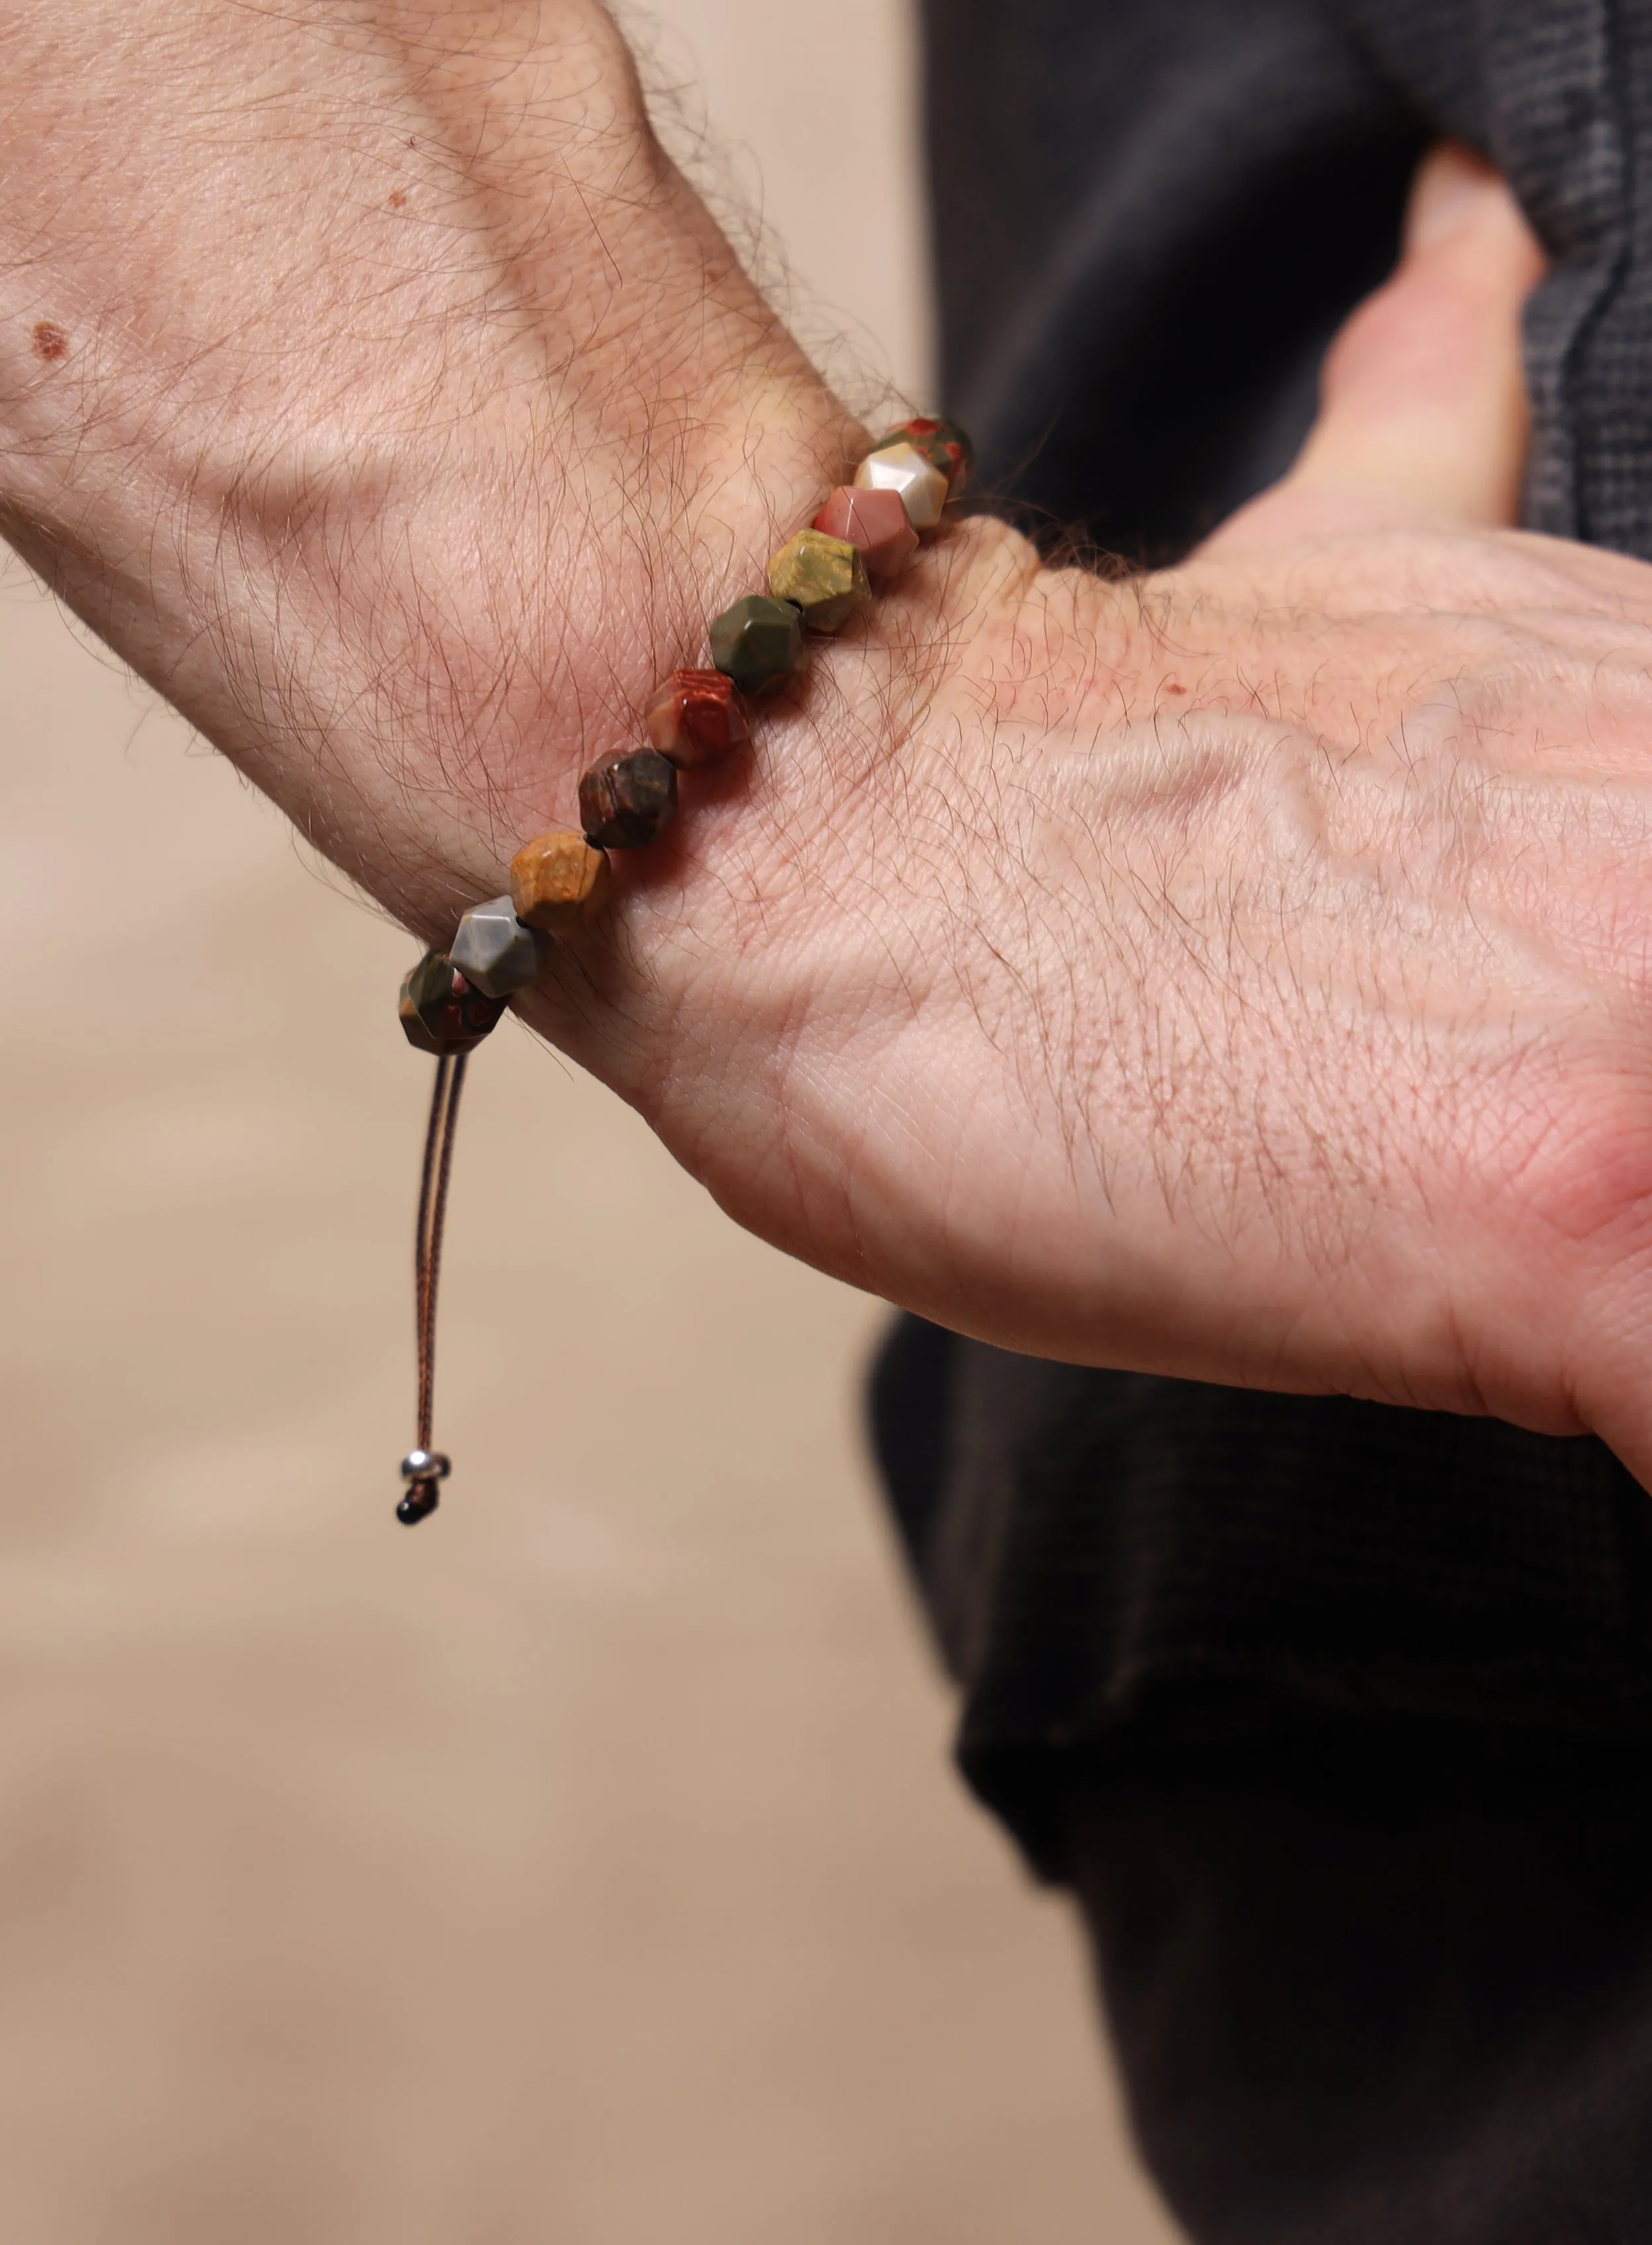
column 588, row 1866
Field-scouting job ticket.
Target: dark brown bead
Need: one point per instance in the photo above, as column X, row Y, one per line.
column 628, row 801
column 441, row 1012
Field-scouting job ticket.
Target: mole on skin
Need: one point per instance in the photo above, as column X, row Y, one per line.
column 50, row 342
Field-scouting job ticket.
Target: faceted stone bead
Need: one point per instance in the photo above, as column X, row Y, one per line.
column 823, row 577
column 694, row 718
column 558, row 881
column 440, row 1012
column 758, row 643
column 873, row 520
column 628, row 801
column 903, row 469
column 496, row 952
column 943, row 443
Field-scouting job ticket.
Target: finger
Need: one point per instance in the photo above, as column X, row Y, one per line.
column 1423, row 418
column 1424, row 399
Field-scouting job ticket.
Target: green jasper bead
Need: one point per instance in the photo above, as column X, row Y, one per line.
column 758, row 643
column 951, row 433
column 943, row 443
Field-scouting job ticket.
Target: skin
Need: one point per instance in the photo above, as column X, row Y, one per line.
column 1241, row 971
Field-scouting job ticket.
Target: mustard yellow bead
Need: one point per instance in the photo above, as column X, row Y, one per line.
column 557, row 881
column 825, row 578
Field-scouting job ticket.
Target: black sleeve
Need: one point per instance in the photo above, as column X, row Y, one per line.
column 1559, row 94
column 1149, row 217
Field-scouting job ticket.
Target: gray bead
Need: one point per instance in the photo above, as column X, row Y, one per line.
column 425, row 1465
column 494, row 950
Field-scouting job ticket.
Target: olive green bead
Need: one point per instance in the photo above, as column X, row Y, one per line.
column 758, row 643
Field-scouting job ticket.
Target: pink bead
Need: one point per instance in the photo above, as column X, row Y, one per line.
column 875, row 521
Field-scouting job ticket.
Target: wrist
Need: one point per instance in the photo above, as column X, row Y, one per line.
column 851, row 925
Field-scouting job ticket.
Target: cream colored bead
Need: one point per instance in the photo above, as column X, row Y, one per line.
column 903, row 468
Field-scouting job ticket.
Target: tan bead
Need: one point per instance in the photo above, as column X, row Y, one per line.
column 823, row 577
column 903, row 468
column 558, row 880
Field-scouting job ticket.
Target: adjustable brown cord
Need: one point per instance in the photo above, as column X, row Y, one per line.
column 454, row 998
column 424, row 1468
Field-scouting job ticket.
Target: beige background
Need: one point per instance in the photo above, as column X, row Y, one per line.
column 587, row 1867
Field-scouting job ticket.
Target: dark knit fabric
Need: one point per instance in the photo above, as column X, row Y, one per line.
column 1363, row 1997
column 1150, row 215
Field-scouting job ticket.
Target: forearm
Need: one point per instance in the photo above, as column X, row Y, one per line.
column 411, row 423
column 395, row 417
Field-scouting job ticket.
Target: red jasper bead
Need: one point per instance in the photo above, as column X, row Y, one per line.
column 694, row 718
column 877, row 522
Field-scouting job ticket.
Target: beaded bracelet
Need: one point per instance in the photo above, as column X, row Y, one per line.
column 452, row 998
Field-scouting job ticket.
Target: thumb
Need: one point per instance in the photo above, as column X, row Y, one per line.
column 1423, row 410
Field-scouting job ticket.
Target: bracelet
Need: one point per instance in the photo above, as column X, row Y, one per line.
column 453, row 998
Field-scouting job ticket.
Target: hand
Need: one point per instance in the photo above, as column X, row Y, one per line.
column 1240, row 973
